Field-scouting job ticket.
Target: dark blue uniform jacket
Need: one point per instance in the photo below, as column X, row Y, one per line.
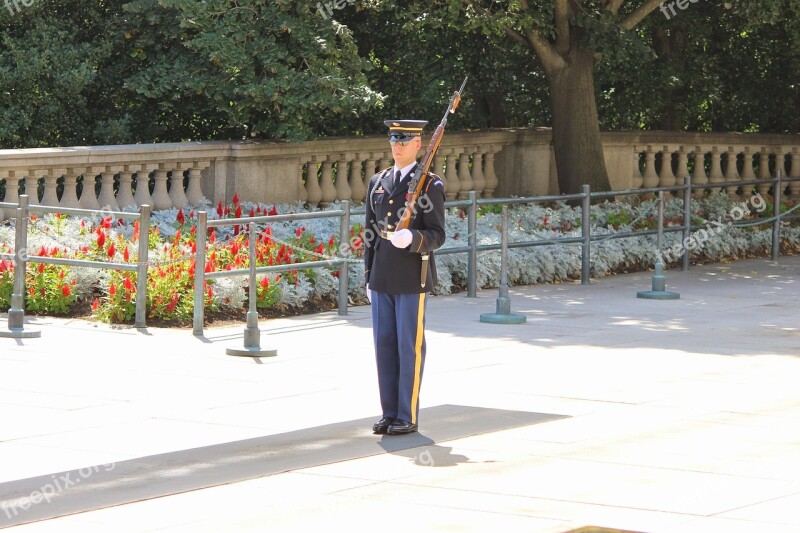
column 390, row 269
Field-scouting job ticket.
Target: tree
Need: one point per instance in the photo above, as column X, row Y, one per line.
column 252, row 68
column 570, row 39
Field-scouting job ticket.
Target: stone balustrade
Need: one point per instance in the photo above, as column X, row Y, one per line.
column 505, row 162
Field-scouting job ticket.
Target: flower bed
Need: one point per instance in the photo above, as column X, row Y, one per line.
column 111, row 295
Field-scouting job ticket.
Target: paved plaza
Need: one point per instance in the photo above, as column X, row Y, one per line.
column 601, row 410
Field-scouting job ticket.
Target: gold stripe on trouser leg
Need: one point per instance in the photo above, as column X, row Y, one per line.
column 418, row 357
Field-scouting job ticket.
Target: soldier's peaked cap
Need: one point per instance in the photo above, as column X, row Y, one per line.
column 405, row 130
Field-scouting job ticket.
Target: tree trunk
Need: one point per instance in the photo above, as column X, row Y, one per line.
column 576, row 131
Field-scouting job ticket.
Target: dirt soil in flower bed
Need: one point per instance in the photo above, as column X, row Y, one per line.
column 227, row 317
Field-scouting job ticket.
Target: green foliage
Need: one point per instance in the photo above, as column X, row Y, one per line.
column 255, row 69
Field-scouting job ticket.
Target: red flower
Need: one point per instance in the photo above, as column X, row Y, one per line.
column 128, row 284
column 236, row 198
column 212, row 237
column 101, row 238
column 234, row 248
column 125, row 254
column 65, row 290
column 41, row 268
column 265, row 282
column 273, row 211
column 95, row 304
column 42, row 252
column 331, row 241
column 299, row 231
column 180, row 218
column 111, row 251
column 220, row 209
column 238, row 212
column 112, row 289
column 252, row 212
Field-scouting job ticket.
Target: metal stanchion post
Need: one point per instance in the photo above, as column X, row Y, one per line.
column 16, row 313
column 776, row 212
column 201, row 236
column 252, row 335
column 586, row 233
column 659, row 281
column 503, row 314
column 141, row 271
column 472, row 257
column 344, row 270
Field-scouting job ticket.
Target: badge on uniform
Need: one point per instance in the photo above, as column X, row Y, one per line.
column 380, row 190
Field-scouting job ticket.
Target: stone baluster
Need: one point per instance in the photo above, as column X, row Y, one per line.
column 142, row 195
column 650, row 177
column 343, row 191
column 357, row 189
column 438, row 166
column 763, row 171
column 89, row 190
column 478, row 179
column 369, row 170
column 464, row 176
column 716, row 175
column 302, row 193
column 313, row 190
column 699, row 176
column 177, row 194
column 747, row 170
column 489, row 174
column 385, row 161
column 161, row 199
column 194, row 191
column 794, row 172
column 731, row 172
column 107, row 200
column 451, row 184
column 780, row 161
column 12, row 192
column 30, row 184
column 637, row 180
column 683, row 165
column 69, row 197
column 666, row 178
column 125, row 193
column 326, row 184
column 50, row 196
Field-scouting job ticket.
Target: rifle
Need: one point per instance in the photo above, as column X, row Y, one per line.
column 416, row 182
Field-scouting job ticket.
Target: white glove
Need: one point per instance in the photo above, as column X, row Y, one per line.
column 402, row 238
column 369, row 294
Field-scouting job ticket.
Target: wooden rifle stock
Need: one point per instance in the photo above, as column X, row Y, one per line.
column 416, row 182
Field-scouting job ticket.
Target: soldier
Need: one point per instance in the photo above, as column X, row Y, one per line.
column 396, row 286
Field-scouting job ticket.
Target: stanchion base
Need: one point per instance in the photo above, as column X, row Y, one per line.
column 502, row 318
column 658, row 295
column 20, row 334
column 252, row 352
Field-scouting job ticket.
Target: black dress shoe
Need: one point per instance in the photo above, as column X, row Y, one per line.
column 401, row 427
column 381, row 426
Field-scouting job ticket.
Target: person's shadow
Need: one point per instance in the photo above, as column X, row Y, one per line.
column 421, row 450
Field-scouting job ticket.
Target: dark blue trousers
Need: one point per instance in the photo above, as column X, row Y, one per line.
column 398, row 325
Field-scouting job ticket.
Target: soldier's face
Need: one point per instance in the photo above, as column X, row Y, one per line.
column 406, row 153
